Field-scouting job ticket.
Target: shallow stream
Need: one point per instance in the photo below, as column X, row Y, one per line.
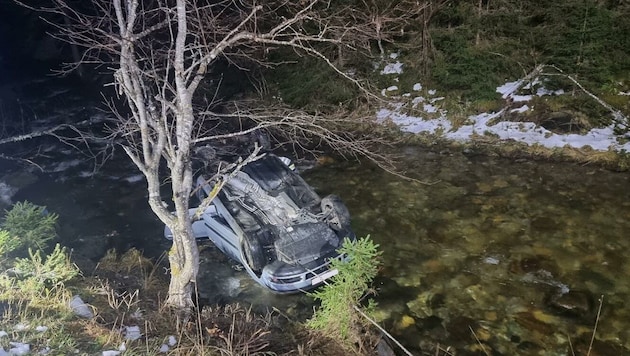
column 499, row 256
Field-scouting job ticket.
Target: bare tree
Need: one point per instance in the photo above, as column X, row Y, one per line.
column 160, row 53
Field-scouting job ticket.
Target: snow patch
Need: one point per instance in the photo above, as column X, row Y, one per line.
column 393, row 68
column 522, row 109
column 507, row 89
column 491, row 124
column 19, row 348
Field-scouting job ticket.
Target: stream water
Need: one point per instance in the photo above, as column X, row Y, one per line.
column 496, row 256
column 499, row 256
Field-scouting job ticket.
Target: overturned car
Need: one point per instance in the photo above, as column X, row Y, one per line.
column 272, row 222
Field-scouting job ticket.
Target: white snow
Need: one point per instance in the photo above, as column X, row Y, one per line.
column 509, row 88
column 430, row 108
column 393, row 68
column 491, row 123
column 41, row 328
column 417, row 100
column 392, row 88
column 522, row 109
column 521, row 98
column 172, row 341
column 3, row 333
column 19, row 348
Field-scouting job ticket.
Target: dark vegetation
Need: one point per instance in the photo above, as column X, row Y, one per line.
column 468, row 48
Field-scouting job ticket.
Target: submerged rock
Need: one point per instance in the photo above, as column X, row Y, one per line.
column 573, row 303
column 532, row 321
column 534, row 264
column 459, row 328
column 598, row 348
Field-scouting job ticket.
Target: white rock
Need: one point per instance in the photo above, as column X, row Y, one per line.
column 79, row 308
column 132, row 333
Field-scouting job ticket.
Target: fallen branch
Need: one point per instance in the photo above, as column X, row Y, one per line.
column 618, row 116
column 50, row 131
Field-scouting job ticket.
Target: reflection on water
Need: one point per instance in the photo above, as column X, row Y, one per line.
column 503, row 255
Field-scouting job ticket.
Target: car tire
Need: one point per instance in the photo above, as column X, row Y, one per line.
column 336, row 212
column 254, row 254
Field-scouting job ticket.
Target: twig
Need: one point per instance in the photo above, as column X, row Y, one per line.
column 617, row 115
column 45, row 132
column 478, row 341
column 599, row 311
column 571, row 346
column 382, row 330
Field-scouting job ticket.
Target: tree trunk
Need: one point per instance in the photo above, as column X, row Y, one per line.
column 183, row 258
column 184, row 254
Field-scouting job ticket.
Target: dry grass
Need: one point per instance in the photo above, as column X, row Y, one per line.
column 126, row 291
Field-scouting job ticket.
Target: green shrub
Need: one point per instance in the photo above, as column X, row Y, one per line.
column 7, row 243
column 337, row 315
column 52, row 271
column 27, row 226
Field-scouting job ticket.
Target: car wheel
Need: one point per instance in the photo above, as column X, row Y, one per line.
column 254, row 254
column 337, row 214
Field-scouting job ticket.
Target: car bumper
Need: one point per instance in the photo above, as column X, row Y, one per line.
column 284, row 278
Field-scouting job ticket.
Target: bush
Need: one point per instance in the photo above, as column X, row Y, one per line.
column 337, row 315
column 27, row 226
column 52, row 271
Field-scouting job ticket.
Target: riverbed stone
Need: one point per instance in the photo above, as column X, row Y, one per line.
column 459, row 328
column 531, row 322
column 583, row 346
column 573, row 303
column 421, row 305
column 545, row 224
column 534, row 264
